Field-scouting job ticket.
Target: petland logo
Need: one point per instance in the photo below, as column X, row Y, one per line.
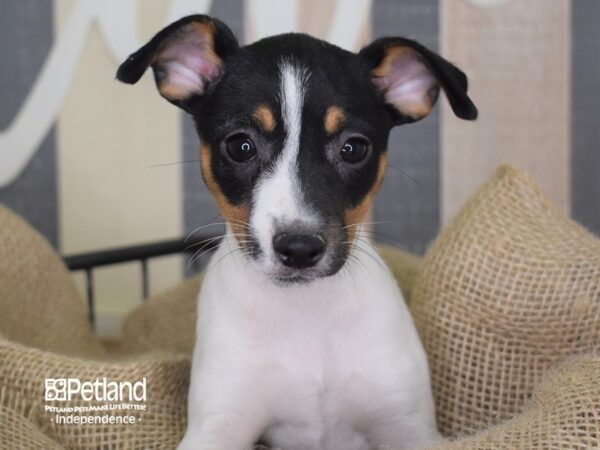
column 101, row 390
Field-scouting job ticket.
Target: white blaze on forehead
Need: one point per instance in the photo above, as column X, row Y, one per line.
column 292, row 101
column 278, row 195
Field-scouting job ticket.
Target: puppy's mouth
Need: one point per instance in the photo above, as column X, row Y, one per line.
column 294, row 278
column 293, row 260
column 285, row 276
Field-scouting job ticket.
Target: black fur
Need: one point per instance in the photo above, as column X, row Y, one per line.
column 250, row 77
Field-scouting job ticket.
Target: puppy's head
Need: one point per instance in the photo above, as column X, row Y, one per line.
column 294, row 130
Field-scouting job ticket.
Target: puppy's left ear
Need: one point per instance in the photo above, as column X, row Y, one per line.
column 409, row 76
column 187, row 58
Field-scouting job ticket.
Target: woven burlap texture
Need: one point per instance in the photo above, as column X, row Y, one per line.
column 404, row 265
column 563, row 413
column 510, row 288
column 18, row 428
column 165, row 322
column 23, row 371
column 39, row 304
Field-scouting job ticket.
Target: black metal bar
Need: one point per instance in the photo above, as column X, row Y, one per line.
column 91, row 260
column 85, row 261
column 145, row 288
column 90, row 295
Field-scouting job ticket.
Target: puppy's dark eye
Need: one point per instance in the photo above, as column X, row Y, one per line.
column 240, row 148
column 354, row 150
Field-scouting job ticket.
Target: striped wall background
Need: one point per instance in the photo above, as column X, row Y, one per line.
column 111, row 168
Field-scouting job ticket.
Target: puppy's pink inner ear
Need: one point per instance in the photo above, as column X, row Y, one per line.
column 406, row 82
column 187, row 63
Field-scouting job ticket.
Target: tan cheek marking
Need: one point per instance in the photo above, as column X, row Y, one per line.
column 334, row 117
column 236, row 215
column 354, row 216
column 264, row 116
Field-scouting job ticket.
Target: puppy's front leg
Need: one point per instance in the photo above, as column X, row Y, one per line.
column 223, row 414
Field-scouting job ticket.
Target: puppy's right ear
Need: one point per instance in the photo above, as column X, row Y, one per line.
column 186, row 57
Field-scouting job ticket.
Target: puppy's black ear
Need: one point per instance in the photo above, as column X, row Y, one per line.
column 410, row 76
column 186, row 58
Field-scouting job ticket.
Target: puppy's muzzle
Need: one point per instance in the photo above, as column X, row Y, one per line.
column 299, row 251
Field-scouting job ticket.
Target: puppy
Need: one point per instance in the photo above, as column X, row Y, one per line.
column 303, row 338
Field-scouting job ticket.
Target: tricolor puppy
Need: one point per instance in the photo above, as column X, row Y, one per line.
column 303, row 339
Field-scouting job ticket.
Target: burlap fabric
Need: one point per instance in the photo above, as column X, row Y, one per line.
column 564, row 411
column 165, row 322
column 404, row 265
column 510, row 288
column 39, row 304
column 18, row 428
column 23, row 371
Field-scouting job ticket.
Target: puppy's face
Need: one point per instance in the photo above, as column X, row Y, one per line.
column 294, row 130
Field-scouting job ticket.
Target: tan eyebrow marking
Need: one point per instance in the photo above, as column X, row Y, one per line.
column 264, row 116
column 334, row 117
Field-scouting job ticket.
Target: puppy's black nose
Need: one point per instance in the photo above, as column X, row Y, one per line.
column 299, row 250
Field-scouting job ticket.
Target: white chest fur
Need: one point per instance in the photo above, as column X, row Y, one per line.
column 334, row 364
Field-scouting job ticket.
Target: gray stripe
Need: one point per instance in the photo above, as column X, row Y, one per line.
column 25, row 39
column 412, row 209
column 198, row 205
column 585, row 113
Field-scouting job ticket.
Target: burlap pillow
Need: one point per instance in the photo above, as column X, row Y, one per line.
column 18, row 429
column 405, row 267
column 510, row 288
column 39, row 304
column 168, row 321
column 23, row 371
column 564, row 413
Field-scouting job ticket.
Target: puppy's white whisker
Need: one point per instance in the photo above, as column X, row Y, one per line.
column 201, row 252
column 359, row 224
column 204, row 242
column 202, row 227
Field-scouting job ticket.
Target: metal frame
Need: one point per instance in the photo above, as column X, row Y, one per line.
column 142, row 253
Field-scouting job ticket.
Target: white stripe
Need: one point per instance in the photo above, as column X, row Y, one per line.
column 278, row 196
column 292, row 98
